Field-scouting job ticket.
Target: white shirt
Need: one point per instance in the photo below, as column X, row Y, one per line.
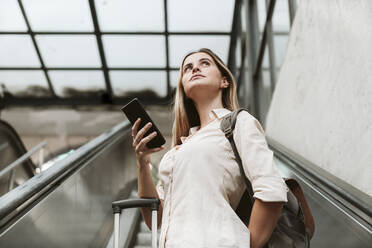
column 200, row 184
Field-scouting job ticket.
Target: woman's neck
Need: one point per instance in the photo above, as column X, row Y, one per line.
column 205, row 107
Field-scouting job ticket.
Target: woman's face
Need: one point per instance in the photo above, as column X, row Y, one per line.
column 201, row 76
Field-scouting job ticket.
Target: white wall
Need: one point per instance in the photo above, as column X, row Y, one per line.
column 322, row 105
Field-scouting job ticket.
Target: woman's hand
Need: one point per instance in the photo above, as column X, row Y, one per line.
column 139, row 142
column 263, row 220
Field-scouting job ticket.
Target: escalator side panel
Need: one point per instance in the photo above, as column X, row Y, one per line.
column 78, row 213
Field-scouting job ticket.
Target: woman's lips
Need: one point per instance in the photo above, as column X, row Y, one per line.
column 195, row 77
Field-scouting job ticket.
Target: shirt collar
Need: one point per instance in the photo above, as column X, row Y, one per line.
column 219, row 112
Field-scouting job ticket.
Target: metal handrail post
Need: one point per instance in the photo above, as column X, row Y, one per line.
column 41, row 158
column 11, row 180
column 23, row 158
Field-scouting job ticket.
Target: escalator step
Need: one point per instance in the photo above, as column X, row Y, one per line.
column 144, row 227
column 144, row 236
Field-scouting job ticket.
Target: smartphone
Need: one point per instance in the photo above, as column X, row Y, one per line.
column 134, row 110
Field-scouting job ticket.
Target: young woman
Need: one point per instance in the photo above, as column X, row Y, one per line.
column 199, row 180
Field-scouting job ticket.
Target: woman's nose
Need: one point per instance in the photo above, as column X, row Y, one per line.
column 196, row 68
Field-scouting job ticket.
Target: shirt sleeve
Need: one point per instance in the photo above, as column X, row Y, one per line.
column 160, row 189
column 258, row 160
column 163, row 175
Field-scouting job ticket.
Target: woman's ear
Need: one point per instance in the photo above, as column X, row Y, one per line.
column 224, row 83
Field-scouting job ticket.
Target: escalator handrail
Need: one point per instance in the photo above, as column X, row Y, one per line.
column 306, row 166
column 15, row 198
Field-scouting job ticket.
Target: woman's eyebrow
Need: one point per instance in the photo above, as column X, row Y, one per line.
column 199, row 60
column 187, row 65
column 204, row 59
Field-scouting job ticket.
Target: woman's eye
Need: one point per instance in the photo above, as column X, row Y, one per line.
column 205, row 63
column 186, row 69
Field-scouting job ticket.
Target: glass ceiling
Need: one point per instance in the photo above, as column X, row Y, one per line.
column 83, row 48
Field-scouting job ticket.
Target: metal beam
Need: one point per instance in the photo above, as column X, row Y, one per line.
column 242, row 64
column 292, row 6
column 261, row 53
column 98, row 34
column 236, row 26
column 113, row 33
column 252, row 44
column 167, row 46
column 32, row 35
column 270, row 45
column 247, row 60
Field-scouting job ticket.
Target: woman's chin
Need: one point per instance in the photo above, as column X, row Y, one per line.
column 198, row 91
column 197, row 83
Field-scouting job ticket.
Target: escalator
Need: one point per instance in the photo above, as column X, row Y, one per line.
column 69, row 205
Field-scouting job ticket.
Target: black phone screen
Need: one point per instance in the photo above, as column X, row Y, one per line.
column 134, row 110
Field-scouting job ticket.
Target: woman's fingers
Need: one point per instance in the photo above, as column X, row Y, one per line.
column 152, row 150
column 139, row 135
column 156, row 149
column 135, row 127
column 142, row 144
column 141, row 147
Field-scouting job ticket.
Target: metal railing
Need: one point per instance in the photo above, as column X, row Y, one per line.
column 11, row 168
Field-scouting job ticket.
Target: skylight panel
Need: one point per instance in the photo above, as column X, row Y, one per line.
column 129, row 15
column 180, row 45
column 11, row 18
column 77, row 83
column 24, row 83
column 57, row 15
column 280, row 17
column 18, row 51
column 280, row 44
column 174, row 76
column 134, row 50
column 135, row 83
column 69, row 50
column 261, row 11
column 196, row 15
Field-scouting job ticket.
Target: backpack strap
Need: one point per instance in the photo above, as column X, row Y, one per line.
column 227, row 126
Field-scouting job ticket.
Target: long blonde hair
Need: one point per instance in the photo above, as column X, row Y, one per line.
column 185, row 113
